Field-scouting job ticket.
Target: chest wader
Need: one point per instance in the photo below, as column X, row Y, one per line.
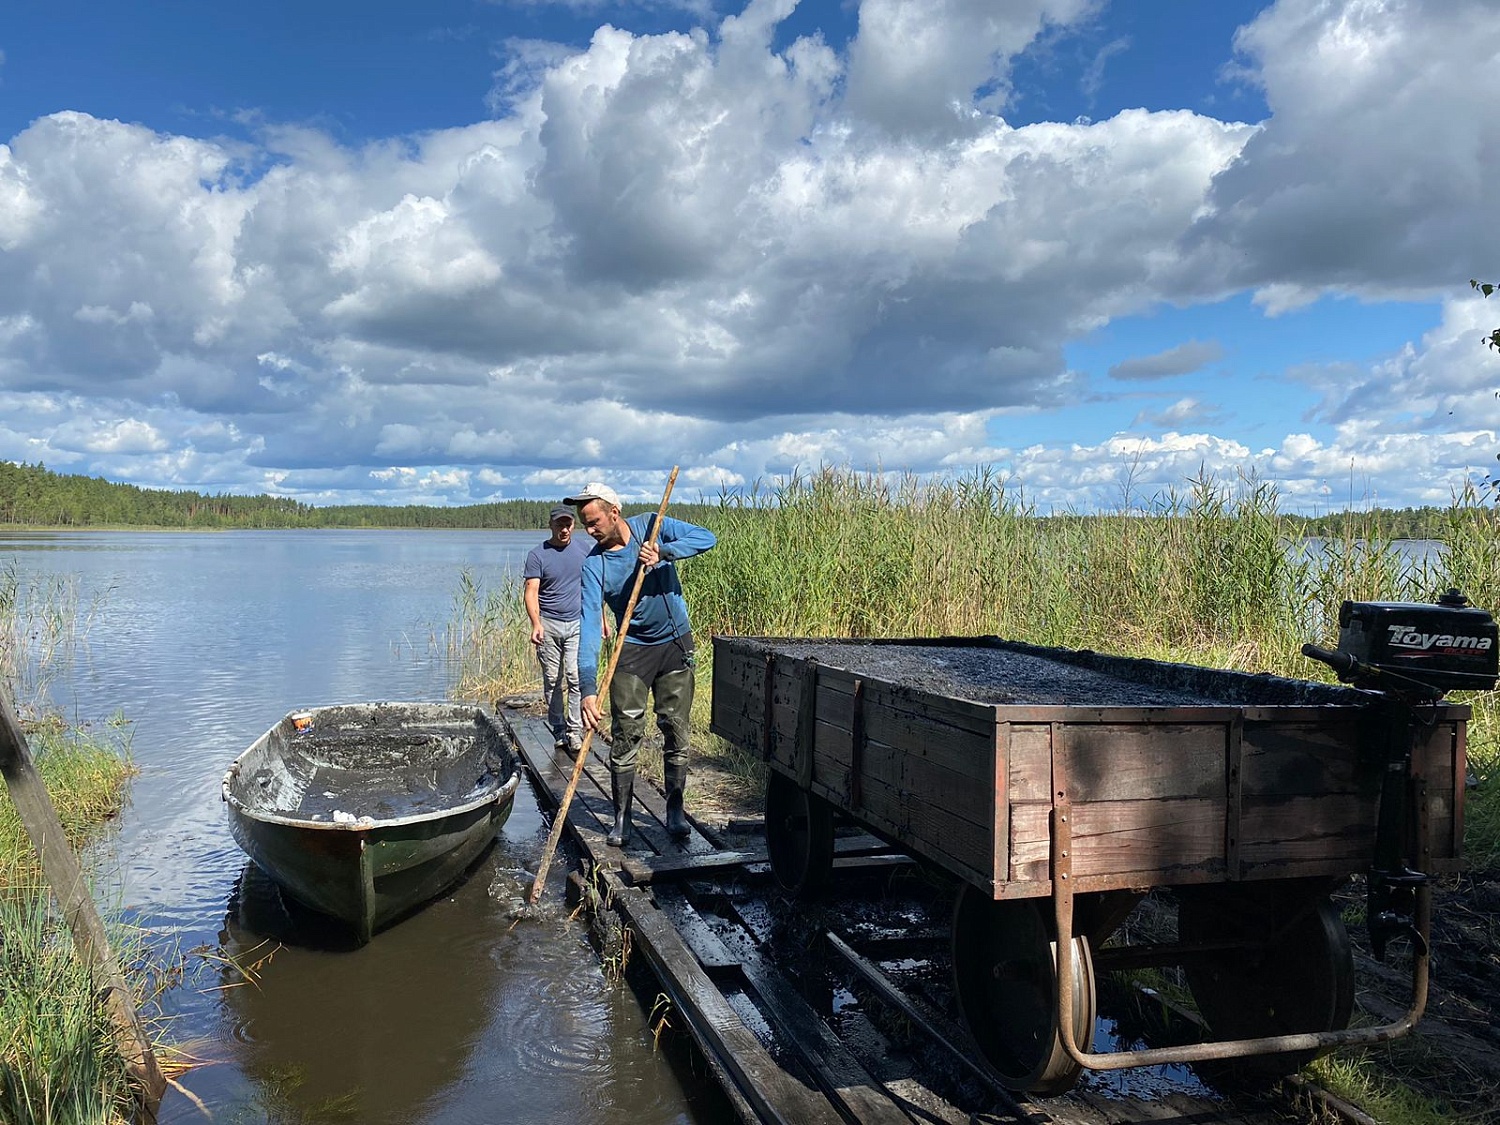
column 664, row 673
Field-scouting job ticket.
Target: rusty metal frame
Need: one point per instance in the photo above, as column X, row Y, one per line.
column 1062, row 899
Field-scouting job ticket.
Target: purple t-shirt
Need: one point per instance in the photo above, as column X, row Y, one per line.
column 560, row 595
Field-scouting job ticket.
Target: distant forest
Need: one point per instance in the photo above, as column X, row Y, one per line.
column 34, row 496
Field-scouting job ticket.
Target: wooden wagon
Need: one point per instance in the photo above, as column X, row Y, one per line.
column 1062, row 786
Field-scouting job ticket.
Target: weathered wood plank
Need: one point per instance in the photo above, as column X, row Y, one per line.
column 1336, row 826
column 1122, row 837
column 929, row 830
column 1140, row 762
column 1290, row 759
column 966, row 797
column 701, row 938
column 842, row 1077
column 775, row 1095
column 959, row 741
column 1030, row 761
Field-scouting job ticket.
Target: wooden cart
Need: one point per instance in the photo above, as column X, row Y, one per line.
column 1061, row 786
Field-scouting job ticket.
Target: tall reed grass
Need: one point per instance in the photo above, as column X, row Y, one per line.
column 58, row 1060
column 490, row 655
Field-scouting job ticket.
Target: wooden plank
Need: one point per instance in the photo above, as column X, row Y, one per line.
column 1290, row 759
column 653, row 869
column 1138, row 762
column 60, row 867
column 1234, row 780
column 1333, row 827
column 1153, row 838
column 956, row 746
column 1030, row 762
column 701, row 938
column 964, row 796
column 907, row 702
column 996, row 794
column 842, row 1077
column 775, row 1095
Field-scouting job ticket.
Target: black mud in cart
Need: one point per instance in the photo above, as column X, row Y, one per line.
column 1062, row 786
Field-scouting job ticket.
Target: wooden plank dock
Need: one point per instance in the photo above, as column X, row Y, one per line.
column 819, row 1013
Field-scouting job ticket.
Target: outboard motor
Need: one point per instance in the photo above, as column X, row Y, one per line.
column 1412, row 653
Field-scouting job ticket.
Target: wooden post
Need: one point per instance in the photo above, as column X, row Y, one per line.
column 61, row 869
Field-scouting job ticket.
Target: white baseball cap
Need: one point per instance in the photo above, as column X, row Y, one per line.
column 594, row 491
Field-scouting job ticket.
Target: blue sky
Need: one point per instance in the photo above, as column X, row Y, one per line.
column 464, row 251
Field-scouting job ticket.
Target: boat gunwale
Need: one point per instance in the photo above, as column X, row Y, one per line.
column 496, row 796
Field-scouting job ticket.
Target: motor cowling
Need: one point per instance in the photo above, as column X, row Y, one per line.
column 1448, row 645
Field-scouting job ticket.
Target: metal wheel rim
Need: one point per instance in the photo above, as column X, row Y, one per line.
column 799, row 837
column 1005, row 982
column 1302, row 981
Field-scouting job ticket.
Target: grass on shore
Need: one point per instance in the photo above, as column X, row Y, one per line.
column 58, row 1060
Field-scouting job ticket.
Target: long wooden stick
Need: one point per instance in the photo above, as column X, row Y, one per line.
column 62, row 872
column 561, row 820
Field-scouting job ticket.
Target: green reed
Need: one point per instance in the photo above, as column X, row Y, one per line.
column 840, row 553
column 1211, row 573
column 58, row 1063
column 489, row 641
column 58, row 1060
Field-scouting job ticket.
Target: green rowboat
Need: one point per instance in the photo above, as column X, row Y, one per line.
column 368, row 811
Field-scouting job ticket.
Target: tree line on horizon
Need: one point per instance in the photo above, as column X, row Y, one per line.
column 35, row 496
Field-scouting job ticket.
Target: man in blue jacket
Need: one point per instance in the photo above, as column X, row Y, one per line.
column 657, row 655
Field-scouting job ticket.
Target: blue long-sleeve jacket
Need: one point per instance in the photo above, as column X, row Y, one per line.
column 661, row 612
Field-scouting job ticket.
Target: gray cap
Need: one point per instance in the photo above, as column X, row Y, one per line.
column 560, row 512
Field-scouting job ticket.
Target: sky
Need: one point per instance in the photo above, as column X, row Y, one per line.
column 475, row 250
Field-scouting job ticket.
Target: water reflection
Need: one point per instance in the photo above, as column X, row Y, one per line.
column 382, row 1028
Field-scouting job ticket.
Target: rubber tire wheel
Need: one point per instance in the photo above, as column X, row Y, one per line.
column 1005, row 981
column 799, row 837
column 1302, row 980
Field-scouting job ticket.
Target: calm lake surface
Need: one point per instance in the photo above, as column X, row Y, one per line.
column 459, row 1014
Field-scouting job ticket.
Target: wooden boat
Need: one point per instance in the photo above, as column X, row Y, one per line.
column 367, row 811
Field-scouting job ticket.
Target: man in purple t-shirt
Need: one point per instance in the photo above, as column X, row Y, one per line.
column 552, row 590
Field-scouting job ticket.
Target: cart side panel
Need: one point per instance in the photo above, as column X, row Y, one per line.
column 917, row 767
column 1310, row 792
column 1149, row 800
column 737, row 710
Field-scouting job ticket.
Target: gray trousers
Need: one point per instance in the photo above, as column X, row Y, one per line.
column 558, row 656
column 665, row 674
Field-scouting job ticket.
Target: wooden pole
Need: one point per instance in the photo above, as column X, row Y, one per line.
column 555, row 836
column 62, row 872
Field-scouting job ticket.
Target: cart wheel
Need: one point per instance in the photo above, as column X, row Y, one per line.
column 1005, row 979
column 799, row 837
column 1295, row 972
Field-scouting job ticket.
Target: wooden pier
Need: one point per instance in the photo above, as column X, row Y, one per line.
column 821, row 1013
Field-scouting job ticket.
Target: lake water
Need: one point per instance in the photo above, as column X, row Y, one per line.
column 459, row 1014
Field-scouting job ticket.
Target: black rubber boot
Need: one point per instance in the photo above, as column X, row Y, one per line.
column 622, row 787
column 676, row 783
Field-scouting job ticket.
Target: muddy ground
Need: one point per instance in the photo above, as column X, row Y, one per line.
column 1454, row 1053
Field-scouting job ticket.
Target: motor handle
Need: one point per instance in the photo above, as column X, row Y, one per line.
column 1340, row 662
